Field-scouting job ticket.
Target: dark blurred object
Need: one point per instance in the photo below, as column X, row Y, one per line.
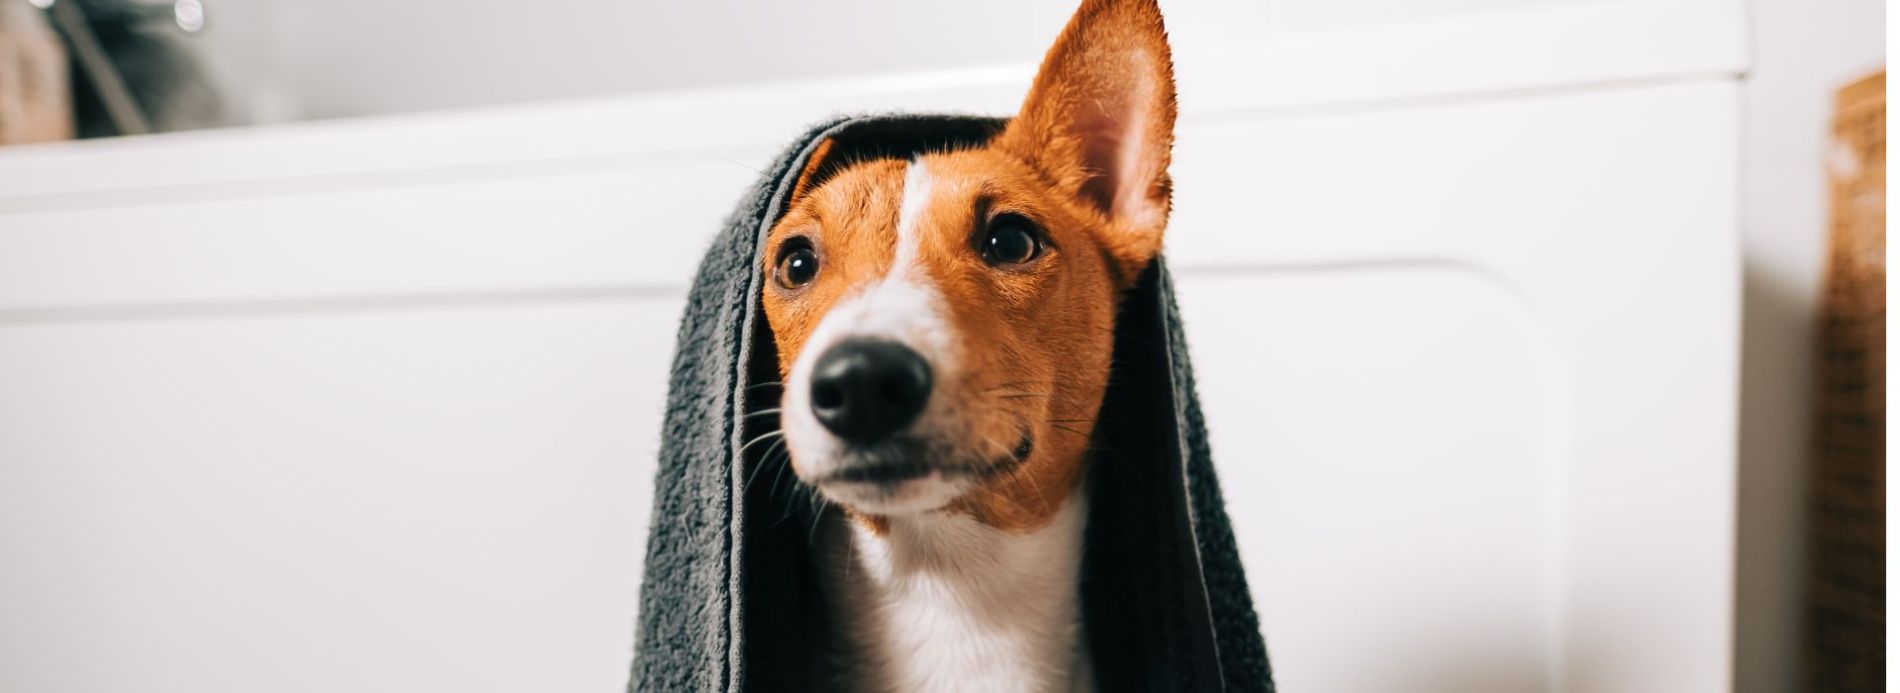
column 1847, row 579
column 35, row 104
column 133, row 70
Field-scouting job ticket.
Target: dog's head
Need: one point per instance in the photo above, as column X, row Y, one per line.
column 944, row 324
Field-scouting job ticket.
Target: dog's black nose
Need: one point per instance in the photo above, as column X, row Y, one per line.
column 866, row 390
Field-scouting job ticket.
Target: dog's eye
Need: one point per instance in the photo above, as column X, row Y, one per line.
column 1011, row 240
column 797, row 266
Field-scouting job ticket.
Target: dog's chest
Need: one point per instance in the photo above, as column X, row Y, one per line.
column 943, row 603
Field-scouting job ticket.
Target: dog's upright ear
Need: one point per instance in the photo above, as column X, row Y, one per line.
column 1099, row 122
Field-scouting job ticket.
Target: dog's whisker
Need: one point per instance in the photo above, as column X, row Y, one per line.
column 1035, row 487
column 773, row 457
column 811, row 536
column 1014, row 478
column 785, row 515
column 734, row 162
column 1061, row 427
column 764, row 460
column 1013, row 384
column 849, row 558
column 791, row 504
column 780, row 477
column 1030, row 480
column 768, row 435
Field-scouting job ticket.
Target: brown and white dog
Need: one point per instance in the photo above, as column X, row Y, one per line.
column 944, row 328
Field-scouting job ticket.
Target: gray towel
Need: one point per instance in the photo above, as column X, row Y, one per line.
column 730, row 601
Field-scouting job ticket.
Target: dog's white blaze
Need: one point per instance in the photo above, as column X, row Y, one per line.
column 917, row 186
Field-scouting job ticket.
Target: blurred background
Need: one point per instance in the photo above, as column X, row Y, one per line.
column 1535, row 334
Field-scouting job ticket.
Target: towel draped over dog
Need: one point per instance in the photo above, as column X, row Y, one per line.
column 730, row 599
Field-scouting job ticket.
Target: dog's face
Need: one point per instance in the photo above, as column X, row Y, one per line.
column 944, row 324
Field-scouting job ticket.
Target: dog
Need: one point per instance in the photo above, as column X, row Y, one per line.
column 944, row 326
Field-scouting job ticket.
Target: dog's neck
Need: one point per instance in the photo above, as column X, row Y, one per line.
column 943, row 602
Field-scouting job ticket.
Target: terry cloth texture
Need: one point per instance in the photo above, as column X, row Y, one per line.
column 730, row 600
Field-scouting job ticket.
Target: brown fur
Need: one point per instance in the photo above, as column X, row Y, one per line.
column 1086, row 160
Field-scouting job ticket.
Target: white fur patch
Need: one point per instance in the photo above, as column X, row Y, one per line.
column 945, row 603
column 917, row 186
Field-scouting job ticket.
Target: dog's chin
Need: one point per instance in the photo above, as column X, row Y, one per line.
column 905, row 476
column 929, row 491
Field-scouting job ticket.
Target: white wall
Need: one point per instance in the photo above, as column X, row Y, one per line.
column 355, row 57
column 1804, row 50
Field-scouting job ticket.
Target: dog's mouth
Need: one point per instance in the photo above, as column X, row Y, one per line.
column 910, row 475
